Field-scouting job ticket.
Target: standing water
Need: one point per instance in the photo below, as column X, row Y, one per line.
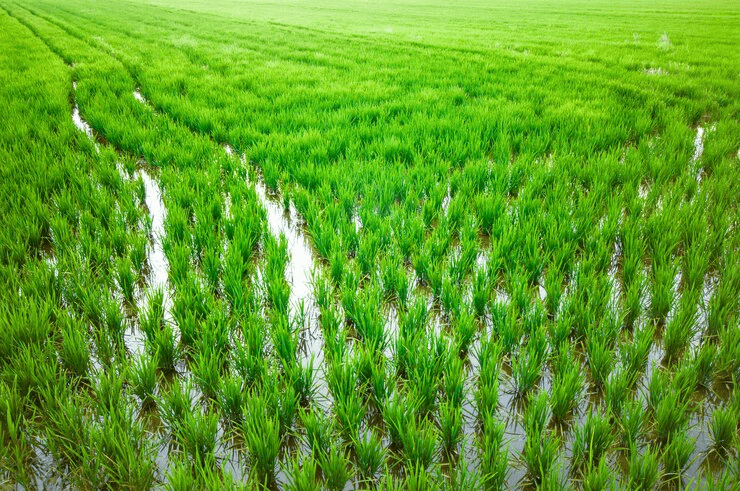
column 298, row 273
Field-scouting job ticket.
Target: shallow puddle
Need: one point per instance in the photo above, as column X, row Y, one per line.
column 655, row 72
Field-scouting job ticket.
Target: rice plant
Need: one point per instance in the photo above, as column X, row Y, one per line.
column 419, row 443
column 75, row 352
column 196, row 434
column 335, row 468
column 493, row 454
column 723, row 429
column 541, row 447
column 369, row 455
column 591, row 442
column 644, row 471
column 261, row 433
column 302, row 474
column 676, row 457
column 143, row 373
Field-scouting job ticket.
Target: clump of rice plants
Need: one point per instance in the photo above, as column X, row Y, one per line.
column 335, row 468
column 143, row 373
column 493, row 453
column 723, row 428
column 261, row 433
column 369, row 455
column 591, row 442
column 541, row 448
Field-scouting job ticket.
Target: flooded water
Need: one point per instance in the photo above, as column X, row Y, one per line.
column 158, row 265
column 301, row 258
column 79, row 122
column 139, row 97
column 302, row 261
column 655, row 72
column 698, row 144
column 284, row 220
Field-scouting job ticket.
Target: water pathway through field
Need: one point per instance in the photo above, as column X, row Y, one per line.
column 80, row 123
column 299, row 274
column 158, row 267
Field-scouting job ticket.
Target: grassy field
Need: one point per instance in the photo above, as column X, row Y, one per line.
column 395, row 245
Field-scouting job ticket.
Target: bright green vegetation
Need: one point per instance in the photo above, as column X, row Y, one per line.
column 521, row 220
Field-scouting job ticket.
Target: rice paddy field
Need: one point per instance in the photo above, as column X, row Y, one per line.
column 413, row 244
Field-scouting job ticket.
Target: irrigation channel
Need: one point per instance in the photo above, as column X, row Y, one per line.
column 303, row 262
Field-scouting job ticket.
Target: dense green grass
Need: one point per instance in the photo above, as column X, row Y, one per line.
column 518, row 223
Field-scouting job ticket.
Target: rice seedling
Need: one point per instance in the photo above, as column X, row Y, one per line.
column 539, row 455
column 175, row 403
column 493, row 453
column 125, row 278
column 450, row 428
column 567, row 383
column 671, row 416
column 165, row 348
column 261, row 433
column 302, row 474
column 526, row 370
column 644, row 471
column 319, row 430
column 207, row 367
column 369, row 455
column 335, row 468
column 114, row 322
column 231, row 399
column 541, row 447
column 75, row 352
column 597, row 477
column 723, row 428
column 419, row 443
column 196, row 434
column 350, row 410
column 143, row 373
column 398, row 414
column 676, row 457
column 704, row 364
column 591, row 442
column 635, row 353
column 632, row 423
column 680, row 329
column 600, row 358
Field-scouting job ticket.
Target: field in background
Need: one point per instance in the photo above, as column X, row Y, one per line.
column 323, row 245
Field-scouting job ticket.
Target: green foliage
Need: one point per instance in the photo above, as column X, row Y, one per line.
column 530, row 215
